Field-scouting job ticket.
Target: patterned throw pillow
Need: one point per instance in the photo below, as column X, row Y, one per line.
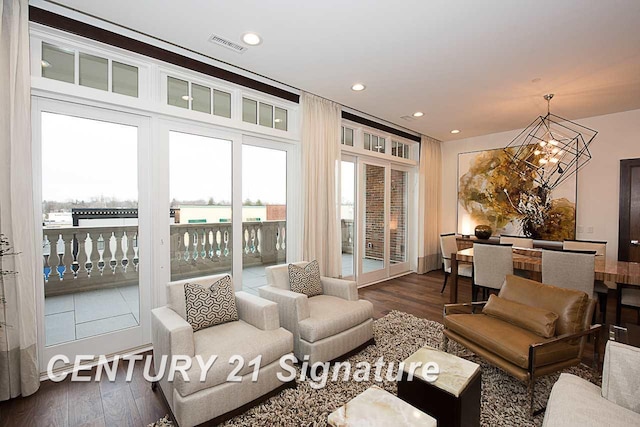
column 305, row 280
column 210, row 306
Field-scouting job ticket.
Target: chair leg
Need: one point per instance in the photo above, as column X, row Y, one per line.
column 444, row 285
column 532, row 386
column 618, row 305
column 603, row 307
column 445, row 343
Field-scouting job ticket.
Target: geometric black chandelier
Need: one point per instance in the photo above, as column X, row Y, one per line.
column 550, row 149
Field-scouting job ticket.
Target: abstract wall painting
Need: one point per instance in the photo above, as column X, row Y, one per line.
column 491, row 192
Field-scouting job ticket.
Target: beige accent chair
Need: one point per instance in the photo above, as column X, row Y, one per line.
column 569, row 269
column 516, row 241
column 448, row 246
column 326, row 326
column 575, row 402
column 600, row 288
column 491, row 265
column 257, row 332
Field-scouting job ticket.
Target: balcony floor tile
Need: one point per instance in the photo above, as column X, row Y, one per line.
column 103, row 326
column 131, row 296
column 58, row 304
column 100, row 304
column 60, row 328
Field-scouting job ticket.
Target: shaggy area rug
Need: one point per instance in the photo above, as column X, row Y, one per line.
column 398, row 335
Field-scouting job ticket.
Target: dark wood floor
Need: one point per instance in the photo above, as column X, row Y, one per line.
column 121, row 403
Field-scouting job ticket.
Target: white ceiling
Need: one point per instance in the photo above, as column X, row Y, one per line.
column 466, row 64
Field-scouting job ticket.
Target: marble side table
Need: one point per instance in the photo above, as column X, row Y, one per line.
column 376, row 407
column 454, row 398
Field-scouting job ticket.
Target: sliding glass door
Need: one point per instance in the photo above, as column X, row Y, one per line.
column 382, row 218
column 94, row 229
column 373, row 214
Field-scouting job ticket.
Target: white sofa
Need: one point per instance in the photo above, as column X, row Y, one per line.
column 575, row 402
column 326, row 326
column 257, row 332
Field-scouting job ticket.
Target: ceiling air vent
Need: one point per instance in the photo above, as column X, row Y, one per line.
column 227, row 43
column 408, row 118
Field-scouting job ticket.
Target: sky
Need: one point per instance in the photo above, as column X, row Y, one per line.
column 85, row 159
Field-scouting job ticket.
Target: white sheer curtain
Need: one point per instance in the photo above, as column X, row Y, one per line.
column 19, row 373
column 430, row 190
column 321, row 121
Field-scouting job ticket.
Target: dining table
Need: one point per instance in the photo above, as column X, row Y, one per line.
column 614, row 274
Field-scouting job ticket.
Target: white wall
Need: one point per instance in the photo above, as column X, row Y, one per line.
column 598, row 182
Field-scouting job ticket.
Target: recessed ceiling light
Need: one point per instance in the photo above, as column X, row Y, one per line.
column 418, row 114
column 45, row 64
column 186, row 98
column 455, row 131
column 252, row 39
column 358, row 87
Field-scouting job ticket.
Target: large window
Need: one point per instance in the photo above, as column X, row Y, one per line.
column 152, row 185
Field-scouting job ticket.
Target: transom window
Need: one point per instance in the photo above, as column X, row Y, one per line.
column 400, row 149
column 192, row 96
column 264, row 114
column 374, row 143
column 59, row 63
column 347, row 136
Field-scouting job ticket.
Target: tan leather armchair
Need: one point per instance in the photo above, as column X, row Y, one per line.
column 513, row 341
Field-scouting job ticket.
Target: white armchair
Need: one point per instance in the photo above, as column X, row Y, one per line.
column 579, row 403
column 257, row 332
column 326, row 326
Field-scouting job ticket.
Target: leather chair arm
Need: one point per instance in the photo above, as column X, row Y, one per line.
column 593, row 330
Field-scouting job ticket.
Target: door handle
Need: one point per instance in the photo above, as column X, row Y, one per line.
column 635, row 243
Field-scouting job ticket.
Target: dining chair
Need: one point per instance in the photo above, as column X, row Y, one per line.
column 517, row 241
column 630, row 298
column 569, row 269
column 491, row 265
column 448, row 246
column 600, row 287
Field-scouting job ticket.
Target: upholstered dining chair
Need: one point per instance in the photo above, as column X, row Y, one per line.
column 569, row 269
column 255, row 333
column 324, row 326
column 517, row 241
column 600, row 288
column 448, row 246
column 630, row 298
column 491, row 264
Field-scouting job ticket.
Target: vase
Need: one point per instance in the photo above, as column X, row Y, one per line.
column 483, row 232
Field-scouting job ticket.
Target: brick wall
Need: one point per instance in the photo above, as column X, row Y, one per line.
column 374, row 227
column 398, row 218
column 276, row 212
column 374, row 224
